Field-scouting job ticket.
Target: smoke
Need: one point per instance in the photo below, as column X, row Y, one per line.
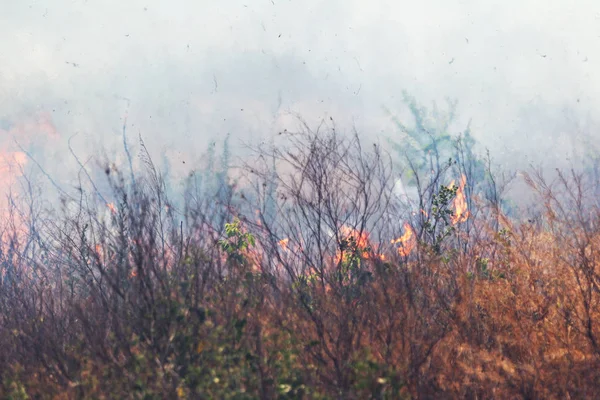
column 184, row 73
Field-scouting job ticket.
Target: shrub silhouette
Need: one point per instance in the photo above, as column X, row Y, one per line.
column 288, row 284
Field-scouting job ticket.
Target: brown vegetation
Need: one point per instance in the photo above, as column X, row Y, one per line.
column 304, row 294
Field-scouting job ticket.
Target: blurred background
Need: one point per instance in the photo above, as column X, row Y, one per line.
column 185, row 73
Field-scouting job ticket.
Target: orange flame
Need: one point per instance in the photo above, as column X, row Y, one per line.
column 111, row 207
column 27, row 130
column 361, row 240
column 461, row 214
column 99, row 251
column 408, row 241
column 284, row 243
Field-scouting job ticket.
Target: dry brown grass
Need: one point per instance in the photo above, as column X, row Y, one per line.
column 139, row 307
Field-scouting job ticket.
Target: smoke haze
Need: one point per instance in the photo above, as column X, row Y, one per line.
column 185, row 73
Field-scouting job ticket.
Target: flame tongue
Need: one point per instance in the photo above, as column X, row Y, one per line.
column 408, row 241
column 361, row 241
column 111, row 207
column 283, row 243
column 461, row 214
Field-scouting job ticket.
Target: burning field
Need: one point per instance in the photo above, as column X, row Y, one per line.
column 307, row 277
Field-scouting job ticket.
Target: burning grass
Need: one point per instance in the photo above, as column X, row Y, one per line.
column 326, row 289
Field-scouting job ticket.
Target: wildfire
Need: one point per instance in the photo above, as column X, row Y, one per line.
column 283, row 243
column 408, row 241
column 99, row 252
column 461, row 214
column 28, row 130
column 111, row 207
column 361, row 240
column 11, row 161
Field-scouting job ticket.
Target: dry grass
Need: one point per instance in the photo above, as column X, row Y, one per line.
column 149, row 303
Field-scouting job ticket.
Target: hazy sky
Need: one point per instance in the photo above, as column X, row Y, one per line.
column 186, row 72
